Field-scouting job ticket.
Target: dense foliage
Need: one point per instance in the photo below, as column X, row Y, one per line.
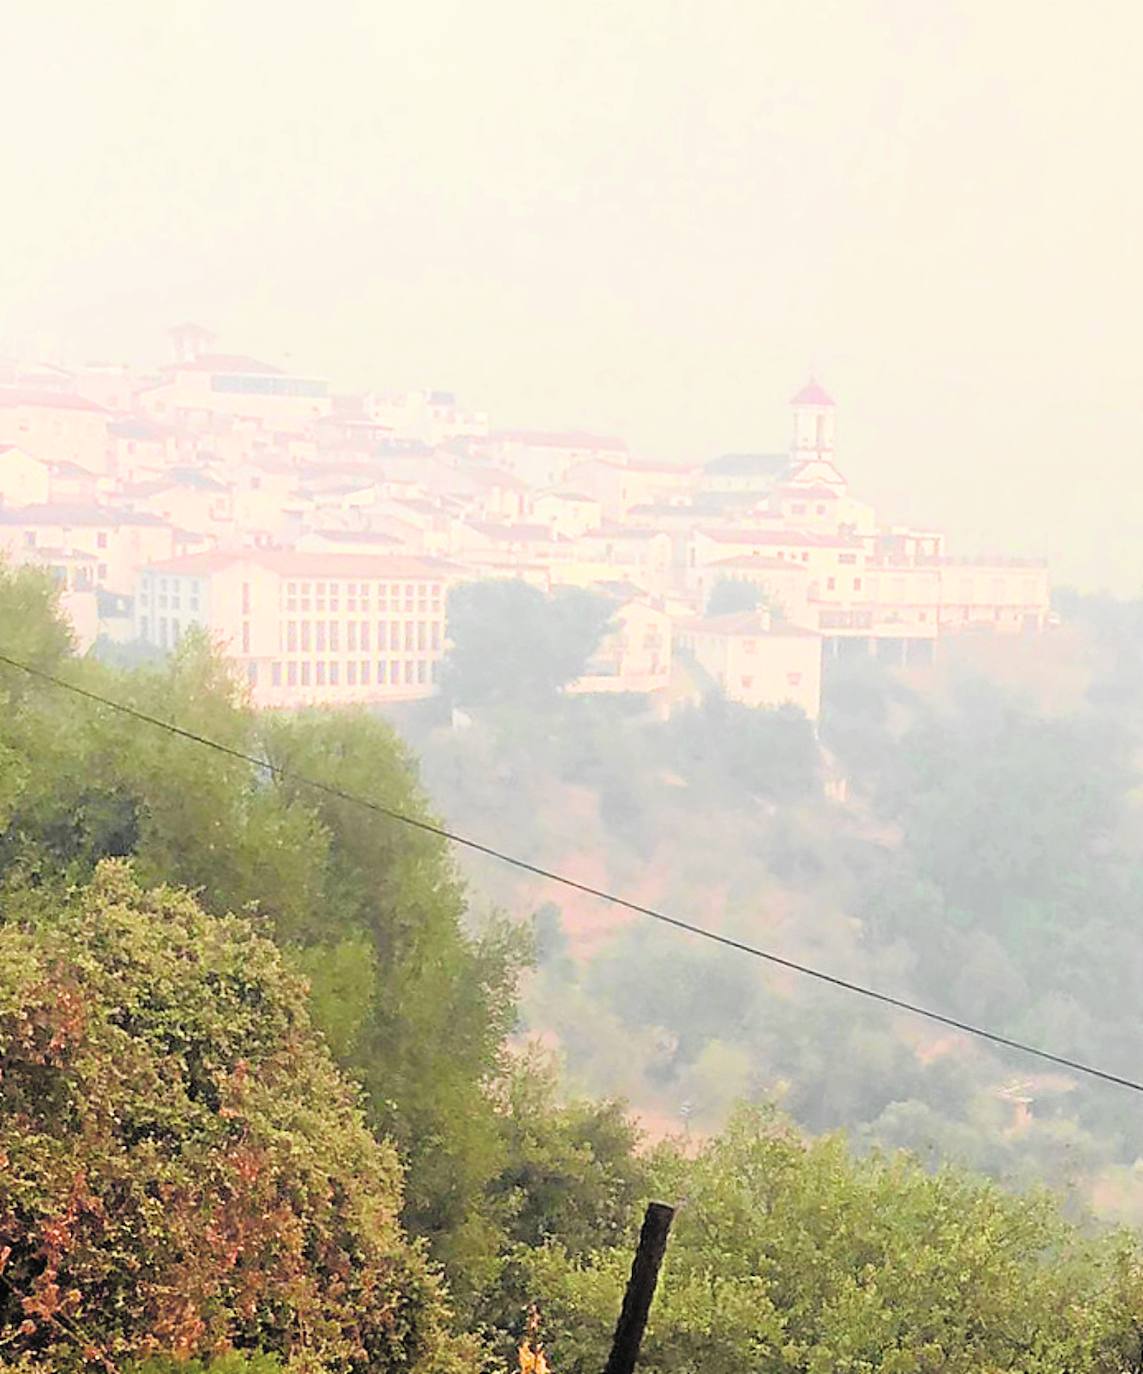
column 731, row 594
column 971, row 836
column 183, row 1168
column 414, row 1006
column 788, row 1256
column 511, row 642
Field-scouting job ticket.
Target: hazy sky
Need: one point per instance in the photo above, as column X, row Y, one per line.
column 643, row 216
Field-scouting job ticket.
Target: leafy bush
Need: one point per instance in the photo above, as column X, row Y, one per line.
column 183, row 1168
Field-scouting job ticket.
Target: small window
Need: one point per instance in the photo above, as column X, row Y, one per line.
column 335, row 674
column 365, row 673
column 291, row 674
column 794, row 679
column 831, row 584
column 101, row 540
column 748, row 682
column 275, row 674
column 857, row 584
column 319, row 674
column 351, row 674
column 305, row 674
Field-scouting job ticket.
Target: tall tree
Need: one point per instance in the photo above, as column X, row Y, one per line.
column 371, row 910
column 509, row 642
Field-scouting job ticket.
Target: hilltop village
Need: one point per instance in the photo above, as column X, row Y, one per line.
column 316, row 535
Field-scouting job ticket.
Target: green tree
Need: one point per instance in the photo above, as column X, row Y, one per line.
column 792, row 1256
column 182, row 1167
column 731, row 594
column 766, row 753
column 371, row 910
column 572, row 1175
column 509, row 642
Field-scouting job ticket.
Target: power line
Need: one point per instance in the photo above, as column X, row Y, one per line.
column 807, row 970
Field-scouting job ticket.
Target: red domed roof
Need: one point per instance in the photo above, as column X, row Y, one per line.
column 812, row 394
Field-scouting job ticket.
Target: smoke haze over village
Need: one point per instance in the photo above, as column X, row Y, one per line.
column 571, row 640
column 653, row 221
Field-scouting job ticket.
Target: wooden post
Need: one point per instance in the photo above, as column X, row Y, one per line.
column 640, row 1289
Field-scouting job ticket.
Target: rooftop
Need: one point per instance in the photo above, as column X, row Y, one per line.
column 514, row 534
column 71, row 517
column 579, row 439
column 48, row 400
column 319, row 566
column 780, row 538
column 812, row 394
column 227, row 362
column 747, row 465
column 361, row 537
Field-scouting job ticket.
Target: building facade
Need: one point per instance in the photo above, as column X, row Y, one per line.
column 305, row 629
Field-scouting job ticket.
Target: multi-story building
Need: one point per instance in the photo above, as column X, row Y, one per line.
column 544, row 460
column 635, row 654
column 119, row 542
column 56, row 427
column 237, row 386
column 113, row 478
column 756, row 660
column 307, row 628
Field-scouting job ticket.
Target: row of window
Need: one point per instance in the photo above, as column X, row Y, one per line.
column 171, row 584
column 322, row 596
column 301, row 636
column 357, row 673
column 172, row 602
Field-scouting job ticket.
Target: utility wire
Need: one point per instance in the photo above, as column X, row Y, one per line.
column 768, row 956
